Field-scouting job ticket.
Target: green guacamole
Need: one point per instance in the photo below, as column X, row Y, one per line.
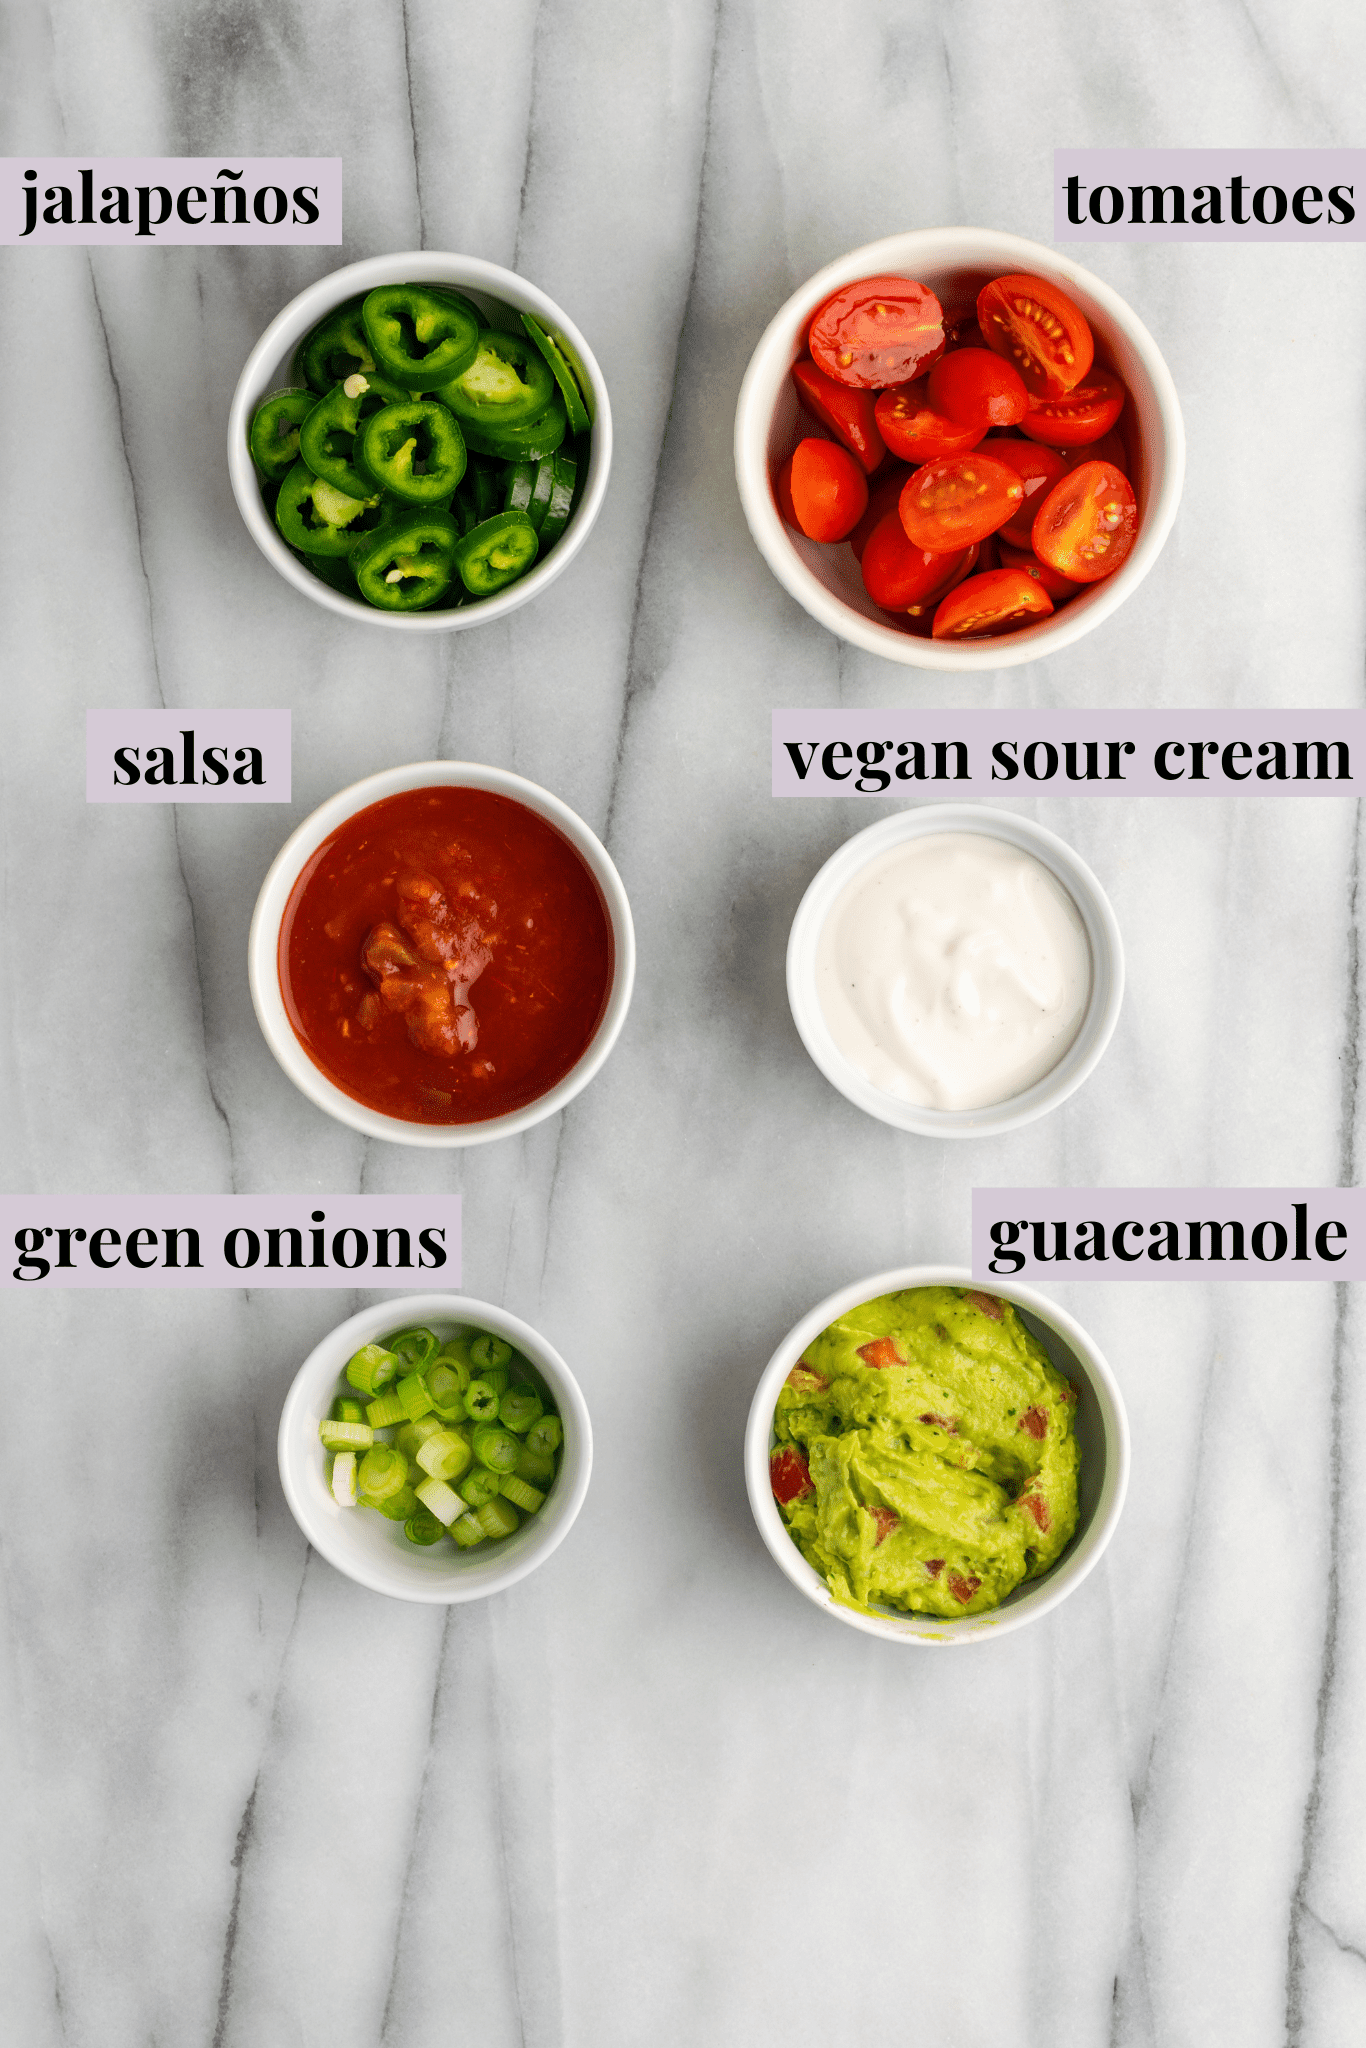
column 926, row 1456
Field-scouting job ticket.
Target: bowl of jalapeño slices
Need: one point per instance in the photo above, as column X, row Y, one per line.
column 421, row 441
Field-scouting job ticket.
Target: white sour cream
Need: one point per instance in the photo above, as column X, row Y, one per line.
column 953, row 971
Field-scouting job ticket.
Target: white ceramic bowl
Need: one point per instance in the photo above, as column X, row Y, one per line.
column 267, row 369
column 955, row 263
column 264, row 940
column 375, row 1552
column 1102, row 1432
column 1093, row 907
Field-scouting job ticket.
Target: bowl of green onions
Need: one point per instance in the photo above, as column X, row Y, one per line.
column 435, row 1448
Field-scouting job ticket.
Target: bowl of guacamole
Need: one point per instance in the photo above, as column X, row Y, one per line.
column 935, row 1462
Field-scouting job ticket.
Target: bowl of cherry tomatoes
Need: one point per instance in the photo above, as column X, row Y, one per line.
column 958, row 449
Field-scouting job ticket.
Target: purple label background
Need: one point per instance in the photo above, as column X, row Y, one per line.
column 1148, row 730
column 1112, row 1206
column 176, row 173
column 1288, row 168
column 214, row 1217
column 268, row 731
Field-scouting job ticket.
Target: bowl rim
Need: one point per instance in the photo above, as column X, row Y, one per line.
column 261, row 373
column 963, row 247
column 1067, row 868
column 294, row 1446
column 273, row 897
column 1077, row 1561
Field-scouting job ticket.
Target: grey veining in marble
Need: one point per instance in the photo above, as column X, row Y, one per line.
column 650, row 1796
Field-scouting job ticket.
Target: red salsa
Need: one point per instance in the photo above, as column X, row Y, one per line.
column 445, row 956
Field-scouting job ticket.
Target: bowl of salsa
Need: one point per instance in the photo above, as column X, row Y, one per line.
column 441, row 954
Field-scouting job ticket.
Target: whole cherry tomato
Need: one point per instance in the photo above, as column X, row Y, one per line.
column 1059, row 588
column 883, row 497
column 848, row 414
column 913, row 429
column 1035, row 326
column 1088, row 522
column 1080, row 416
column 1038, row 470
column 961, row 499
column 897, row 574
column 829, row 490
column 978, row 389
column 994, row 603
column 878, row 331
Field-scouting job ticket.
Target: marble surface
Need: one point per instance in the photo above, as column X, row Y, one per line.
column 650, row 1794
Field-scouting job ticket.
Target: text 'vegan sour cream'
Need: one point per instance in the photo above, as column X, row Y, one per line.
column 953, row 971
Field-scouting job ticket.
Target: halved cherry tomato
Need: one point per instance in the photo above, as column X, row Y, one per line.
column 829, row 490
column 1088, row 522
column 1038, row 470
column 913, row 429
column 995, row 603
column 948, row 504
column 897, row 574
column 883, row 497
column 879, row 331
column 919, row 618
column 848, row 414
column 1080, row 416
column 978, row 389
column 1109, row 448
column 1059, row 588
column 1035, row 326
column 782, row 491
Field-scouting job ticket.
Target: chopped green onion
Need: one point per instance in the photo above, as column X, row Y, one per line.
column 467, row 1532
column 444, row 1455
column 399, row 1505
column 384, row 1411
column 346, row 1436
column 488, row 1350
column 519, row 1408
column 546, row 1436
column 456, row 1417
column 413, row 1348
column 383, row 1470
column 372, row 1368
column 481, row 1402
column 443, row 1503
column 520, row 1494
column 344, row 1479
column 413, row 1392
column 447, row 1389
column 481, row 1485
column 539, row 1470
column 455, row 1353
column 413, row 1435
column 498, row 1518
column 495, row 1447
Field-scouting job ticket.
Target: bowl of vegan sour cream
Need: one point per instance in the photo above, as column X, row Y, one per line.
column 955, row 970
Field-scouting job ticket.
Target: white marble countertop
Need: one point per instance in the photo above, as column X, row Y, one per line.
column 651, row 1795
